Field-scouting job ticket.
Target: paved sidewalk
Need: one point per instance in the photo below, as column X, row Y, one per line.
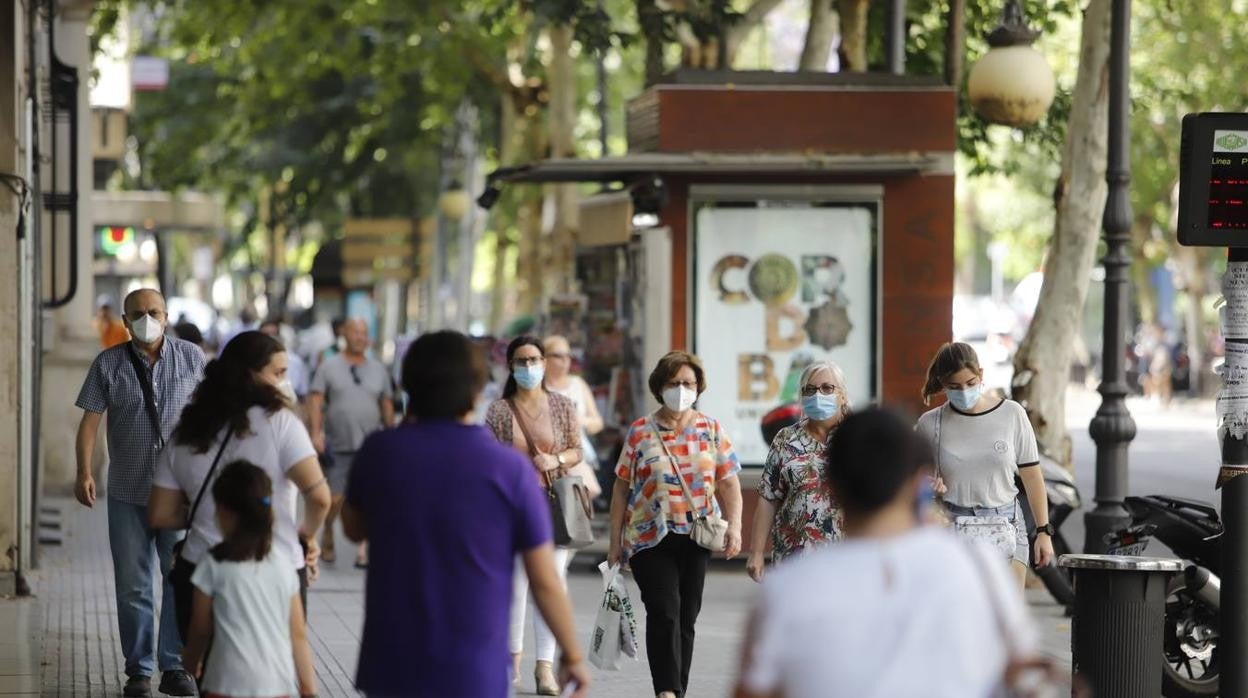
column 63, row 643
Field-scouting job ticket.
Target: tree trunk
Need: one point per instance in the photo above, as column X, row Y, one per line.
column 820, row 33
column 853, row 53
column 1042, row 366
column 955, row 43
column 1194, row 280
column 562, row 120
column 651, row 20
column 753, row 16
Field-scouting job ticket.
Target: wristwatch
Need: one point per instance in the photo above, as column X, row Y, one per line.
column 1046, row 529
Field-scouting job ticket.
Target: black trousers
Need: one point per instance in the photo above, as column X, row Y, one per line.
column 671, row 576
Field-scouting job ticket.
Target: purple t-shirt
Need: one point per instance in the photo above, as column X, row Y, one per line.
column 447, row 509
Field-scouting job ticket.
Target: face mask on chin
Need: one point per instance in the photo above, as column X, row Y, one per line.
column 146, row 329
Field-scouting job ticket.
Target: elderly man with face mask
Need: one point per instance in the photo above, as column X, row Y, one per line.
column 142, row 385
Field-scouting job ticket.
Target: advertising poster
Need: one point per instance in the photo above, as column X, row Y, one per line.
column 775, row 289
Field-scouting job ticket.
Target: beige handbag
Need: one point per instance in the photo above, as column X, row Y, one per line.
column 709, row 531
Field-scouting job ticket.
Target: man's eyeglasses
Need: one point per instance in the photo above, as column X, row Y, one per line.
column 527, row 361
column 825, row 389
column 155, row 313
column 558, row 356
column 355, row 374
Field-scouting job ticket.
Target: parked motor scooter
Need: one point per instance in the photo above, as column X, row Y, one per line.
column 1191, row 529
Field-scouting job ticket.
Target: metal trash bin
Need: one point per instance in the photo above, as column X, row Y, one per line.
column 1116, row 633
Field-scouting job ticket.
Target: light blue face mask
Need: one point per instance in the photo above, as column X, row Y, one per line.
column 820, row 407
column 529, row 377
column 965, row 399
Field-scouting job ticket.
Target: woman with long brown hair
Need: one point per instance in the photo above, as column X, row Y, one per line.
column 241, row 411
column 543, row 425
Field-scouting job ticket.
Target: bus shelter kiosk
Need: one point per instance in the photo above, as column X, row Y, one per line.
column 812, row 219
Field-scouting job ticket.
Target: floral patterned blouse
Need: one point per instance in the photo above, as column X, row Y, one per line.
column 793, row 480
column 565, row 427
column 657, row 504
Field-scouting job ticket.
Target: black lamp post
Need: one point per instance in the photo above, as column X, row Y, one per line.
column 1113, row 428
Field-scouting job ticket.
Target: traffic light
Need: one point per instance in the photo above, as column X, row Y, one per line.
column 114, row 237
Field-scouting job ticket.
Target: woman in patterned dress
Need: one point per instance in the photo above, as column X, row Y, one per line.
column 796, row 510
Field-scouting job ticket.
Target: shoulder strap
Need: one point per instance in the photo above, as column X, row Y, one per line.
column 940, row 413
column 684, row 486
column 149, row 400
column 203, row 486
column 524, row 428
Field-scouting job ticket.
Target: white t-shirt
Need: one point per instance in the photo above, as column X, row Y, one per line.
column 979, row 454
column 909, row 616
column 276, row 443
column 251, row 648
column 576, row 392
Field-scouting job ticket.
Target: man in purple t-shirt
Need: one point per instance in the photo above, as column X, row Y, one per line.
column 446, row 509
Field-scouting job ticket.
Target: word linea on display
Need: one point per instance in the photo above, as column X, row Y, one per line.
column 1213, row 180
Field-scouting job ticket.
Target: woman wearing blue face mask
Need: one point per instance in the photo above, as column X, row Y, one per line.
column 982, row 442
column 527, row 411
column 796, row 510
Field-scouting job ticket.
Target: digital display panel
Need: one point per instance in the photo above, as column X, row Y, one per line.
column 1213, row 180
column 1228, row 181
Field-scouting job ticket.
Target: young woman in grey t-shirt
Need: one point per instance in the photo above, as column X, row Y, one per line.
column 981, row 442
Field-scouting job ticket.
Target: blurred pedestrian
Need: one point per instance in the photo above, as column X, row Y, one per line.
column 560, row 379
column 796, row 510
column 247, row 603
column 296, row 367
column 143, row 386
column 351, row 396
column 246, row 323
column 111, row 329
column 446, row 510
column 896, row 609
column 543, row 426
column 242, row 411
column 677, row 467
column 981, row 443
column 189, row 331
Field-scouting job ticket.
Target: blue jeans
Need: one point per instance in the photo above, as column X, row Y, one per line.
column 136, row 548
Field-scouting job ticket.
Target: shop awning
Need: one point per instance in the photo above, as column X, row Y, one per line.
column 625, row 168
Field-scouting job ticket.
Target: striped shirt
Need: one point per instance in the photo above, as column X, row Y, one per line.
column 112, row 386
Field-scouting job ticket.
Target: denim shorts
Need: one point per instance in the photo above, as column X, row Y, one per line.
column 1011, row 511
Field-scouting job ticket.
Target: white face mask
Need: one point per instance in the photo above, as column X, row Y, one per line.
column 288, row 391
column 146, row 329
column 679, row 399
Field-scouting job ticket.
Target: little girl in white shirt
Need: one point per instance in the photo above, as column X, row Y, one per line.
column 246, row 600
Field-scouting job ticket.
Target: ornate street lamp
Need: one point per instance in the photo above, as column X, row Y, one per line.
column 1012, row 84
column 1113, row 429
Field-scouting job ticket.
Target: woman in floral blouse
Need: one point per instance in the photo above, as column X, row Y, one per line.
column 652, row 513
column 796, row 510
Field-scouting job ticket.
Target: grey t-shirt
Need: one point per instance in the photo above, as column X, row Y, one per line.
column 353, row 397
column 978, row 455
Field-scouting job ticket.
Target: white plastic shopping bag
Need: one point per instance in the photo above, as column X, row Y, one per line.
column 615, row 629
